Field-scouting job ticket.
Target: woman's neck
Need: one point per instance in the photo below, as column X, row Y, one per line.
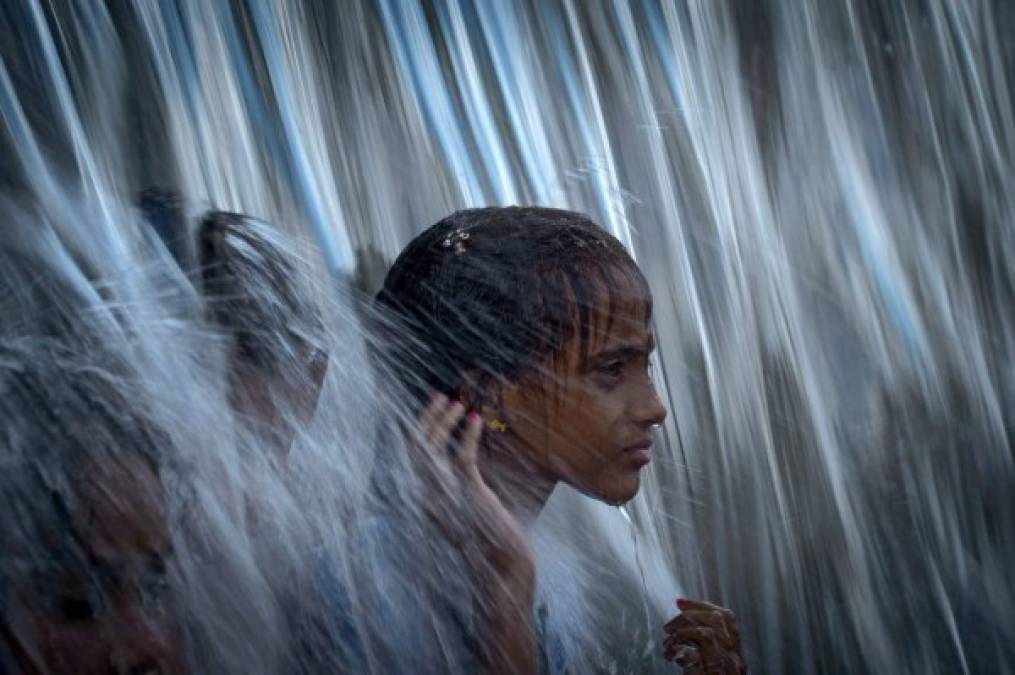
column 522, row 487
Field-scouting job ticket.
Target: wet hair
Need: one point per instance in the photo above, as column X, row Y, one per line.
column 490, row 293
column 257, row 291
column 61, row 410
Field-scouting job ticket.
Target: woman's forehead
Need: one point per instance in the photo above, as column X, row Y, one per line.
column 619, row 298
column 618, row 310
column 627, row 326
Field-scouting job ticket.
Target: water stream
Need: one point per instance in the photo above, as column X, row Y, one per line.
column 819, row 193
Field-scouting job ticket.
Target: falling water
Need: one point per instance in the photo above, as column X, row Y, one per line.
column 818, row 192
column 649, row 627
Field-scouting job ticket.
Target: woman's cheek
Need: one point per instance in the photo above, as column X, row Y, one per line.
column 70, row 648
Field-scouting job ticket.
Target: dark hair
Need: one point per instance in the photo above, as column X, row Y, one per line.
column 61, row 406
column 492, row 292
column 257, row 291
column 61, row 410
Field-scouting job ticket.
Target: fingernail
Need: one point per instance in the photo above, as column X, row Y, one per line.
column 473, row 416
column 681, row 602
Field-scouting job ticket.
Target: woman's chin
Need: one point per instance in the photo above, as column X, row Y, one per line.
column 618, row 492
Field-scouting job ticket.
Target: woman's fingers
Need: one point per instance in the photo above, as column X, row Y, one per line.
column 698, row 649
column 424, row 429
column 725, row 630
column 436, row 427
column 690, row 618
column 432, row 458
column 437, row 424
column 685, row 654
column 704, row 638
column 440, row 432
column 701, row 605
column 468, row 447
column 701, row 636
column 699, row 613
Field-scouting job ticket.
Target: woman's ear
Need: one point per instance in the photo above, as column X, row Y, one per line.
column 485, row 395
column 471, row 391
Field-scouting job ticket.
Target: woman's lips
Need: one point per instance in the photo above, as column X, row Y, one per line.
column 640, row 453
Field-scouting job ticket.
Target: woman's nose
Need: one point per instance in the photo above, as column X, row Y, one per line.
column 650, row 410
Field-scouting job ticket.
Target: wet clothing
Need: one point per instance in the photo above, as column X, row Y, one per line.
column 390, row 615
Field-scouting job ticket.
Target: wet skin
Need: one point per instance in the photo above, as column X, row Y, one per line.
column 106, row 615
column 590, row 424
column 278, row 405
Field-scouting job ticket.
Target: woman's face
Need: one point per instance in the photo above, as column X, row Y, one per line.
column 107, row 615
column 591, row 426
column 278, row 405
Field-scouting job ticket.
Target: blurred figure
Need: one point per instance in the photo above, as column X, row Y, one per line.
column 258, row 300
column 251, row 278
column 257, row 293
column 83, row 574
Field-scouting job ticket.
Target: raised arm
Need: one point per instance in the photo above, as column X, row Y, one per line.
column 475, row 519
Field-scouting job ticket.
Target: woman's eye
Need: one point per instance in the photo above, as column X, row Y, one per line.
column 613, row 368
column 76, row 608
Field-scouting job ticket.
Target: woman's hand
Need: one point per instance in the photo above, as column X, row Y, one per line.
column 473, row 517
column 457, row 497
column 704, row 638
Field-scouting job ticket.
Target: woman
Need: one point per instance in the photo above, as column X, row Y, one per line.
column 256, row 294
column 525, row 335
column 83, row 571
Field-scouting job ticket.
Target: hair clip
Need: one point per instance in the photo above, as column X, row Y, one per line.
column 456, row 239
column 497, row 425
